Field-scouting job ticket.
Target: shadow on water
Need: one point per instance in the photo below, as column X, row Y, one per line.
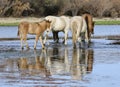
column 52, row 66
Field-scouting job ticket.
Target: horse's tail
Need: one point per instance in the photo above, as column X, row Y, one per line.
column 87, row 22
column 86, row 30
column 74, row 31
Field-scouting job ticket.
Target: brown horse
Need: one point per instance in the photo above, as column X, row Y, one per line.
column 36, row 28
column 90, row 24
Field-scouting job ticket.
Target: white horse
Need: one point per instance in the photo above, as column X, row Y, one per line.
column 61, row 23
column 78, row 26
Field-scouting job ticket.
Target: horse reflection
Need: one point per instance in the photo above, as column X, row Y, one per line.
column 35, row 66
column 82, row 62
column 57, row 61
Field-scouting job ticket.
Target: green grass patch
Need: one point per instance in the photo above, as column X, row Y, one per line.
column 9, row 24
column 116, row 22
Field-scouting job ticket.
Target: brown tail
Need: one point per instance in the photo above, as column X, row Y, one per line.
column 87, row 22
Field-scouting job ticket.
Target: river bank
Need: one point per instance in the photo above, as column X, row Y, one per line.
column 10, row 21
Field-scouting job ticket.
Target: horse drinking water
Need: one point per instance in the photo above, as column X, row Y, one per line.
column 78, row 27
column 90, row 24
column 58, row 24
column 35, row 28
column 90, row 27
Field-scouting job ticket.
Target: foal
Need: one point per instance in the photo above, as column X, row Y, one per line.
column 36, row 28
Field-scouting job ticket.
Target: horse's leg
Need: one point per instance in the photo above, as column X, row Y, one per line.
column 74, row 41
column 78, row 36
column 87, row 38
column 46, row 36
column 74, row 36
column 36, row 40
column 25, row 41
column 54, row 35
column 41, row 41
column 21, row 40
column 66, row 35
column 57, row 38
column 26, row 44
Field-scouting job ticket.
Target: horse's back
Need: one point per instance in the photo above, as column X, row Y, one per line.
column 78, row 26
column 66, row 20
column 88, row 17
column 57, row 23
column 27, row 27
column 76, row 21
column 23, row 27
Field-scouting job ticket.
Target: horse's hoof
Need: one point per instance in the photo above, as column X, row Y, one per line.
column 56, row 41
column 48, row 43
column 22, row 48
column 74, row 47
column 65, row 43
column 34, row 48
column 28, row 47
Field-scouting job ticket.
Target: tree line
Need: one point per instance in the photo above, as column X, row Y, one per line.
column 40, row 8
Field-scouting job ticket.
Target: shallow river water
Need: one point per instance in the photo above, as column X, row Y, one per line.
column 59, row 65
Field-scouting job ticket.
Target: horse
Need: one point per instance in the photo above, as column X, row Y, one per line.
column 90, row 24
column 78, row 27
column 35, row 28
column 58, row 24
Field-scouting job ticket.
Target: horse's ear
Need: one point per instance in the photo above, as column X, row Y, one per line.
column 48, row 20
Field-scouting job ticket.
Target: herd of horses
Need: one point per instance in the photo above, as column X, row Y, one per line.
column 81, row 27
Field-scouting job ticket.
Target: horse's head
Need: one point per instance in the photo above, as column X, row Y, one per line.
column 48, row 25
column 49, row 18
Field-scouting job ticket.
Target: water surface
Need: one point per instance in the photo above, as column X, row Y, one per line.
column 59, row 65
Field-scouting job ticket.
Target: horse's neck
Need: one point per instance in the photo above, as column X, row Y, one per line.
column 53, row 21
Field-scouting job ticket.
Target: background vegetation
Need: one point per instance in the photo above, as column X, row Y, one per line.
column 40, row 8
